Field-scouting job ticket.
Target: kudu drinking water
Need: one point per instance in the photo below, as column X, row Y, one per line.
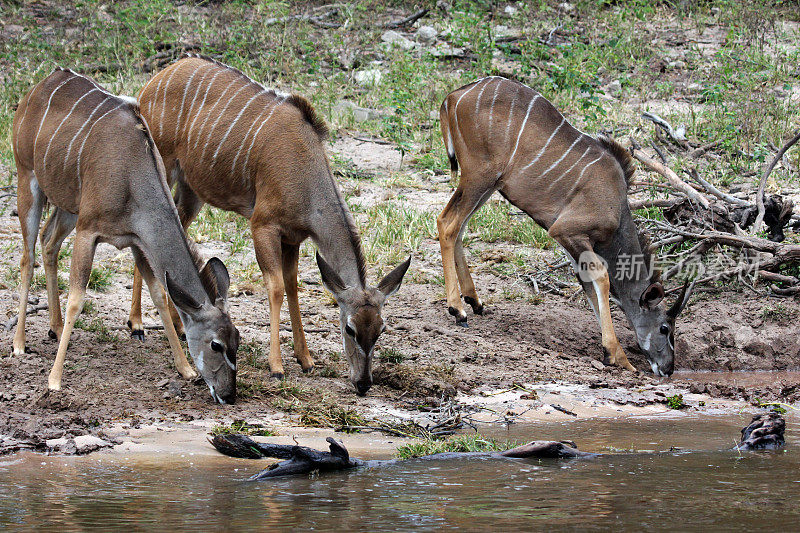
column 89, row 154
column 229, row 142
column 508, row 138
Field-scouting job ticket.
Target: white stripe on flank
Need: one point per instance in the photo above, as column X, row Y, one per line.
column 47, row 110
column 197, row 93
column 155, row 96
column 199, row 109
column 521, row 129
column 455, row 107
column 246, row 135
column 164, row 99
column 219, row 117
column 235, row 120
column 183, row 101
column 63, row 120
column 478, row 99
column 210, row 112
column 587, row 166
column 560, row 159
column 510, row 116
column 278, row 102
column 69, row 147
column 491, row 108
column 541, row 151
column 572, row 166
column 88, row 133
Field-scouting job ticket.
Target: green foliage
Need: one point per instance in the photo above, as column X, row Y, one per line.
column 243, row 428
column 100, row 279
column 461, row 443
column 676, row 402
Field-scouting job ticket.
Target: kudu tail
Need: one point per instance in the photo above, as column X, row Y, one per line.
column 444, row 119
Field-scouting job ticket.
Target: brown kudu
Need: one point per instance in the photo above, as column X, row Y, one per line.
column 229, row 142
column 89, row 154
column 506, row 137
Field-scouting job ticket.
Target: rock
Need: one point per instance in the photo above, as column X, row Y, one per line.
column 614, row 88
column 510, row 11
column 89, row 443
column 694, row 88
column 504, row 32
column 446, row 51
column 394, row 38
column 598, row 365
column 697, row 388
column 676, row 65
column 368, row 77
column 426, row 34
column 344, row 108
column 566, row 7
column 163, row 383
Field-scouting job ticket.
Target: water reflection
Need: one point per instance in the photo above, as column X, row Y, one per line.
column 704, row 489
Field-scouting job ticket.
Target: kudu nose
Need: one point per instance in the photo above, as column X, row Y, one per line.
column 363, row 386
column 229, row 399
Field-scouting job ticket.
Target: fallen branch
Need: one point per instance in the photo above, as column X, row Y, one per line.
column 763, row 183
column 411, row 19
column 677, row 136
column 9, row 325
column 672, row 177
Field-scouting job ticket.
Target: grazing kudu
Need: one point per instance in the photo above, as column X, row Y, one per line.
column 229, row 142
column 89, row 154
column 508, row 138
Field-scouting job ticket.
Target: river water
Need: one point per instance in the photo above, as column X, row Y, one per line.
column 704, row 489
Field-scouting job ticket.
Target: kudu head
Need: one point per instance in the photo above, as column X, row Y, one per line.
column 654, row 325
column 212, row 338
column 360, row 317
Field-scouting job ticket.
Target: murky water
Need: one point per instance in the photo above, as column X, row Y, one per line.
column 741, row 379
column 707, row 489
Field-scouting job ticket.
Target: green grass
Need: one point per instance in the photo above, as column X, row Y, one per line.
column 461, row 443
column 391, row 356
column 390, row 232
column 500, row 221
column 100, row 279
column 244, row 428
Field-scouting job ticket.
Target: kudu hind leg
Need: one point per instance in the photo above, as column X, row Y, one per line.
column 291, row 255
column 451, row 223
column 30, row 202
column 58, row 226
column 135, row 316
column 79, row 271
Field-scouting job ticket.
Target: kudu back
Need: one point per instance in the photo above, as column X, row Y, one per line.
column 89, row 154
column 506, row 137
column 236, row 145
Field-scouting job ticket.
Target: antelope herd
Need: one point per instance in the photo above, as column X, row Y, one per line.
column 107, row 164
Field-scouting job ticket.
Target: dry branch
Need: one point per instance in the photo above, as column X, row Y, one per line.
column 763, row 183
column 411, row 19
column 672, row 178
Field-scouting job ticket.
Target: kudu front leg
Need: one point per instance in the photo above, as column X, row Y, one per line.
column 291, row 254
column 80, row 269
column 267, row 244
column 600, row 301
column 160, row 300
column 135, row 322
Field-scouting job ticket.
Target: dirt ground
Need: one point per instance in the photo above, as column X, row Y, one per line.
column 112, row 379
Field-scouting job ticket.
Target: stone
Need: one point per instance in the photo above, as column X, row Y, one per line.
column 89, row 443
column 426, row 34
column 566, row 7
column 504, row 32
column 344, row 108
column 598, row 365
column 394, row 38
column 614, row 88
column 510, row 11
column 694, row 87
column 368, row 77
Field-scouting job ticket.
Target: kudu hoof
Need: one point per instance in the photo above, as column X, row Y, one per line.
column 477, row 306
column 52, row 334
column 137, row 334
column 183, row 336
column 461, row 316
column 277, row 376
column 309, row 370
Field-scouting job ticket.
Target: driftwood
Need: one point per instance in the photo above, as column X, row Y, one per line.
column 674, row 180
column 11, row 322
column 765, row 431
column 762, row 184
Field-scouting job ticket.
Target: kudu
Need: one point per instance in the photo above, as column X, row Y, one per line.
column 89, row 154
column 508, row 138
column 228, row 141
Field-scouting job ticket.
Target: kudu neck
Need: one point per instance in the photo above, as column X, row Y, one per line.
column 163, row 243
column 335, row 234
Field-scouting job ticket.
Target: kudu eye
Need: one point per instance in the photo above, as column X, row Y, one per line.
column 349, row 330
column 664, row 329
column 217, row 346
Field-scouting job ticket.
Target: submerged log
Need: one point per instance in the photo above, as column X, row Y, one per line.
column 764, row 432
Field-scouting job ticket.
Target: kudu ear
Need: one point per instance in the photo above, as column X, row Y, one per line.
column 217, row 281
column 330, row 278
column 391, row 282
column 652, row 295
column 683, row 299
column 181, row 298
